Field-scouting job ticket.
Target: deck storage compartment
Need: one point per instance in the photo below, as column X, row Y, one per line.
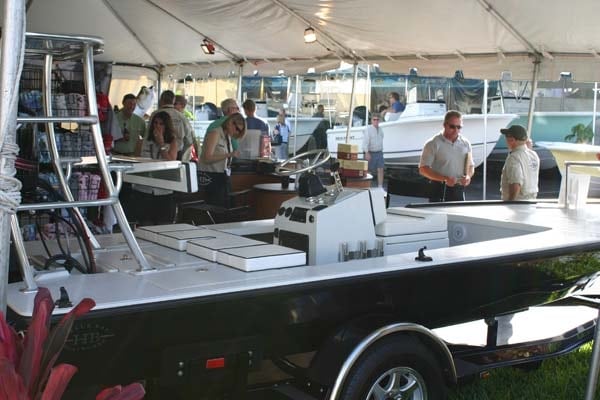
column 208, row 247
column 257, row 258
column 405, row 230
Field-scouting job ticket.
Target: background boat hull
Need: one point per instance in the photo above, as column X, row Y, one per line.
column 405, row 137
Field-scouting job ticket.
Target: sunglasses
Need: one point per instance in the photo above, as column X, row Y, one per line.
column 239, row 129
column 459, row 127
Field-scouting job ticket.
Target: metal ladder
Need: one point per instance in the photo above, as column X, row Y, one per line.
column 52, row 48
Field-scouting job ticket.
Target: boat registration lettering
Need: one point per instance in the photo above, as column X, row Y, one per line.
column 342, row 138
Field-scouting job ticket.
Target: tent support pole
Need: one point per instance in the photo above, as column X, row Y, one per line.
column 594, row 113
column 368, row 85
column 296, row 100
column 485, row 130
column 239, row 88
column 354, row 76
column 12, row 53
column 534, row 82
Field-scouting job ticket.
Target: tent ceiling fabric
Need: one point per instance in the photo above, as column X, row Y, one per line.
column 480, row 37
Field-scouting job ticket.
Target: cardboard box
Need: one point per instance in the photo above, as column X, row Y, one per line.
column 353, row 173
column 347, row 156
column 362, row 165
column 347, row 148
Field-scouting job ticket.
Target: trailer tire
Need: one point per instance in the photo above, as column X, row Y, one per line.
column 399, row 356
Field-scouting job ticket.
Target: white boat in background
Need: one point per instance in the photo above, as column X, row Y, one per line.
column 404, row 138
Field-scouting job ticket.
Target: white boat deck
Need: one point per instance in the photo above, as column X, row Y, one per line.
column 179, row 275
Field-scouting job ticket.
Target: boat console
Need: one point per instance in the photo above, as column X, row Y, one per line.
column 354, row 225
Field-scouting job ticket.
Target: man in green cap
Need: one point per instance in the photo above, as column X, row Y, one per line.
column 520, row 173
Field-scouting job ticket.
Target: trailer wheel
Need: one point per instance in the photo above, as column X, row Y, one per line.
column 399, row 367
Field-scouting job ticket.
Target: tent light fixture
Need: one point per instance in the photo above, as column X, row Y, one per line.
column 309, row 35
column 566, row 75
column 207, row 47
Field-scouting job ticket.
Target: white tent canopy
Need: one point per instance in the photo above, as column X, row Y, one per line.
column 480, row 37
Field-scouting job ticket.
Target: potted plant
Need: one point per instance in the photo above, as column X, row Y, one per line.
column 580, row 133
column 27, row 369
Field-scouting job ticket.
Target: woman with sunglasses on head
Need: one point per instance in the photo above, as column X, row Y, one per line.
column 159, row 144
column 447, row 161
column 216, row 157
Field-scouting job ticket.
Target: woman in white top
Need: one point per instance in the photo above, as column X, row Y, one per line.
column 159, row 143
column 148, row 205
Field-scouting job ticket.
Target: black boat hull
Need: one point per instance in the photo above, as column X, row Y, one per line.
column 169, row 343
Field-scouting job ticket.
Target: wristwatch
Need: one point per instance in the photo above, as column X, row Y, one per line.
column 164, row 148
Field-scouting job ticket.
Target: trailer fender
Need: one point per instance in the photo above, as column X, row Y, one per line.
column 338, row 354
column 430, row 339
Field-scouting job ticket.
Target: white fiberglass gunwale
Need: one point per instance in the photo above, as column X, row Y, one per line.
column 549, row 228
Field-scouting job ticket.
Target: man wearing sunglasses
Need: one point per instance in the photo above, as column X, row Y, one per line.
column 447, row 161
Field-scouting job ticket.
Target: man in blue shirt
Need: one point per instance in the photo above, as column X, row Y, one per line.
column 251, row 121
column 395, row 105
column 254, row 123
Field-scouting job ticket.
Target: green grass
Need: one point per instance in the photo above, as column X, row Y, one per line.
column 560, row 378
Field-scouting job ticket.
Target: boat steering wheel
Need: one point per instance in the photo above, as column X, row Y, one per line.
column 321, row 156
